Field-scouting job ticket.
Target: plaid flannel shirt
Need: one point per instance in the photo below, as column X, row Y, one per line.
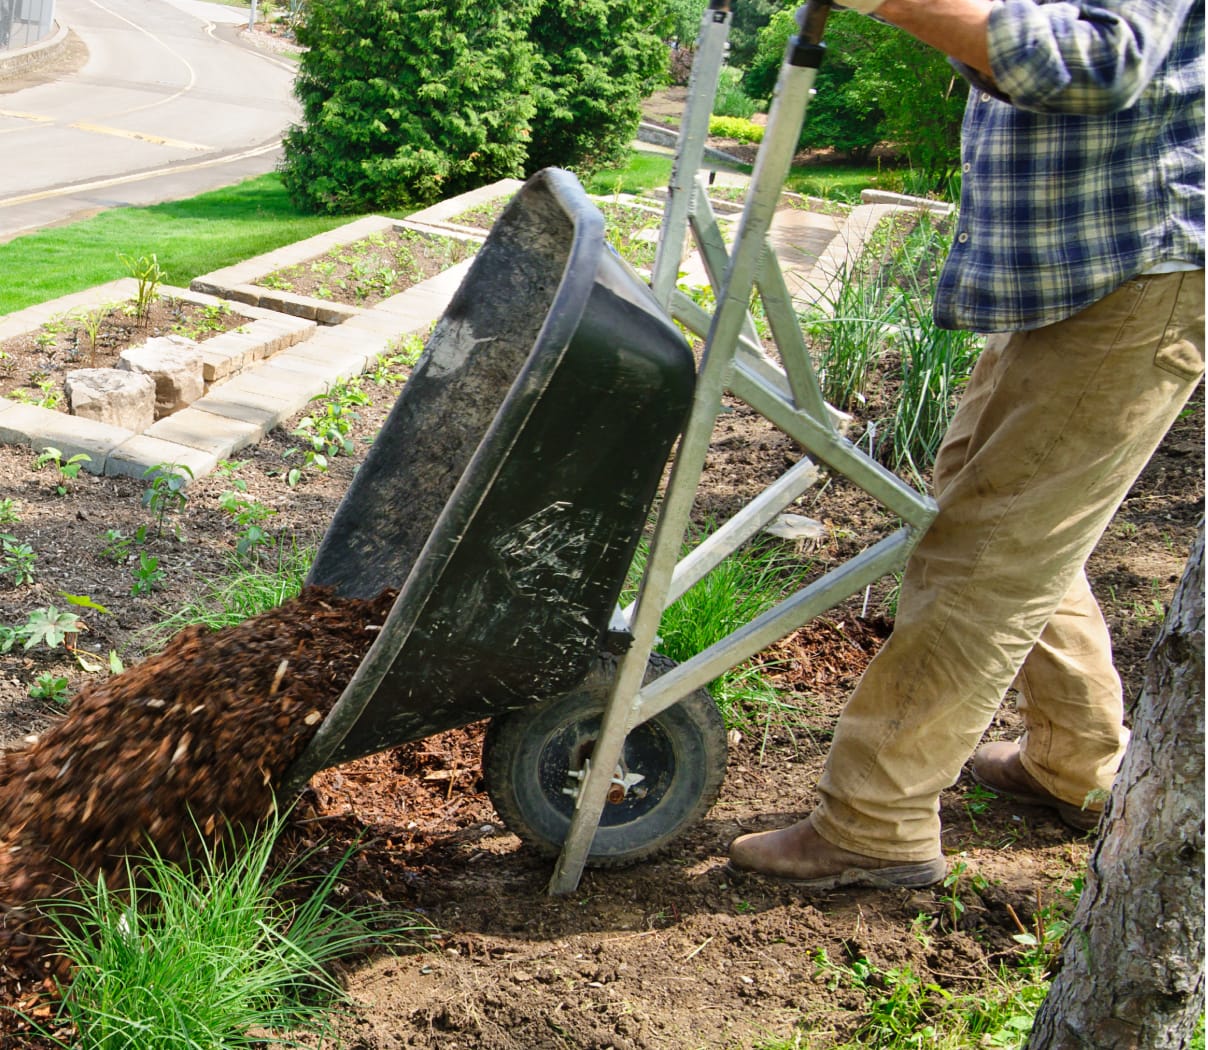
column 1082, row 162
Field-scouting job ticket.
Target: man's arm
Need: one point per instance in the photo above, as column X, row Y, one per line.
column 958, row 28
column 1080, row 56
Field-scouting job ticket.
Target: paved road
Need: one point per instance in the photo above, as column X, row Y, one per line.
column 169, row 103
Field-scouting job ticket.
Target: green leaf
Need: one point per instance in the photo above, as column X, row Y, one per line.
column 83, row 601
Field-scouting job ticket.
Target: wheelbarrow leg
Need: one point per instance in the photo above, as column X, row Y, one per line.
column 796, row 80
column 702, row 89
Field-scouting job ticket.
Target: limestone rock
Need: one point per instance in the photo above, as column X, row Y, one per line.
column 177, row 367
column 112, row 395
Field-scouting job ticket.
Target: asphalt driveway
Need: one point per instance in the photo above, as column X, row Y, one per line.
column 169, row 101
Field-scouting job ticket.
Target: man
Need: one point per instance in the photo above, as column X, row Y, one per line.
column 1080, row 244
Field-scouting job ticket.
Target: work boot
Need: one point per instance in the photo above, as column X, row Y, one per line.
column 997, row 766
column 800, row 856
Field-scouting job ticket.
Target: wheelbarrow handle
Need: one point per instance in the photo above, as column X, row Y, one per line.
column 807, row 47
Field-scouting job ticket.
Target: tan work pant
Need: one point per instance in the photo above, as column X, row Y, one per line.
column 1054, row 427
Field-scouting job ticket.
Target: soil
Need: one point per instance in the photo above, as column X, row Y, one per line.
column 673, row 953
column 368, row 271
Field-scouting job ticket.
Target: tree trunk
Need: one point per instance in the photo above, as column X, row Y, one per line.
column 1132, row 973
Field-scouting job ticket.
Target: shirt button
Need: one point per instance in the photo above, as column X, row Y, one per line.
column 966, row 167
column 963, row 237
column 985, row 96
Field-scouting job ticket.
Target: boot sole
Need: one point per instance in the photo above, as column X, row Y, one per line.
column 900, row 876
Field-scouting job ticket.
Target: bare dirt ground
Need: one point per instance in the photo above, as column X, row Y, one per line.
column 673, row 953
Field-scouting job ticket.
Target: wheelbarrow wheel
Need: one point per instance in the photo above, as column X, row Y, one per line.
column 672, row 767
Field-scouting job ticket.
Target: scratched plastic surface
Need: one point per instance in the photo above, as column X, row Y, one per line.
column 508, row 489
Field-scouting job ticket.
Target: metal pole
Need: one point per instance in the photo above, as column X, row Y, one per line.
column 793, row 88
column 694, row 130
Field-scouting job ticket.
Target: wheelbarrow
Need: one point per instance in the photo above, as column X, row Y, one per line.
column 504, row 498
column 508, row 491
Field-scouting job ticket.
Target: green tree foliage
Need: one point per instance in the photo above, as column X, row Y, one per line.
column 746, row 23
column 683, row 21
column 406, row 103
column 877, row 84
column 597, row 60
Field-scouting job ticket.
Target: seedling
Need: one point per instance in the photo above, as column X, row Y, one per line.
column 228, row 468
column 149, row 275
column 956, row 882
column 49, row 686
column 166, row 493
column 1042, row 943
column 68, row 470
column 148, row 576
column 248, row 514
column 327, row 432
column 50, row 395
column 51, row 627
column 977, row 802
column 91, row 320
column 9, row 515
column 16, row 560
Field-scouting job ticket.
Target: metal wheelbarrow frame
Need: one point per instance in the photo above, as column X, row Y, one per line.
column 734, row 362
column 570, row 726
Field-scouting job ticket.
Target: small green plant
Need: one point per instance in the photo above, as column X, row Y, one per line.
column 149, row 275
column 17, row 560
column 212, row 317
column 327, row 431
column 229, row 951
column 51, row 627
column 148, row 575
column 229, row 469
column 977, row 802
column 392, row 368
column 956, row 885
column 67, row 469
column 91, row 319
column 49, row 396
column 116, row 545
column 9, row 512
column 166, row 493
column 248, row 515
column 49, row 686
column 1042, row 943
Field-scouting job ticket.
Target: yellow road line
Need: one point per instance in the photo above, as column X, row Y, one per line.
column 141, row 136
column 37, row 118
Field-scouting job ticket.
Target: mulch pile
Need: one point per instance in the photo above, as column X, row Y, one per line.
column 189, row 744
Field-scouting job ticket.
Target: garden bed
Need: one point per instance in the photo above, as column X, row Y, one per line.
column 367, row 271
column 675, row 952
column 669, row 954
column 34, row 364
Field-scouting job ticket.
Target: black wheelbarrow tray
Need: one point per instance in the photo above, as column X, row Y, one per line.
column 504, row 498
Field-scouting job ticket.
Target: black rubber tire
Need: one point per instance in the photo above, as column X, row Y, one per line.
column 680, row 752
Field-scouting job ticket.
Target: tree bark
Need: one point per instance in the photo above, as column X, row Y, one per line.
column 1132, row 967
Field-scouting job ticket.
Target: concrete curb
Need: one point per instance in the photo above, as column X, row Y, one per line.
column 33, row 56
